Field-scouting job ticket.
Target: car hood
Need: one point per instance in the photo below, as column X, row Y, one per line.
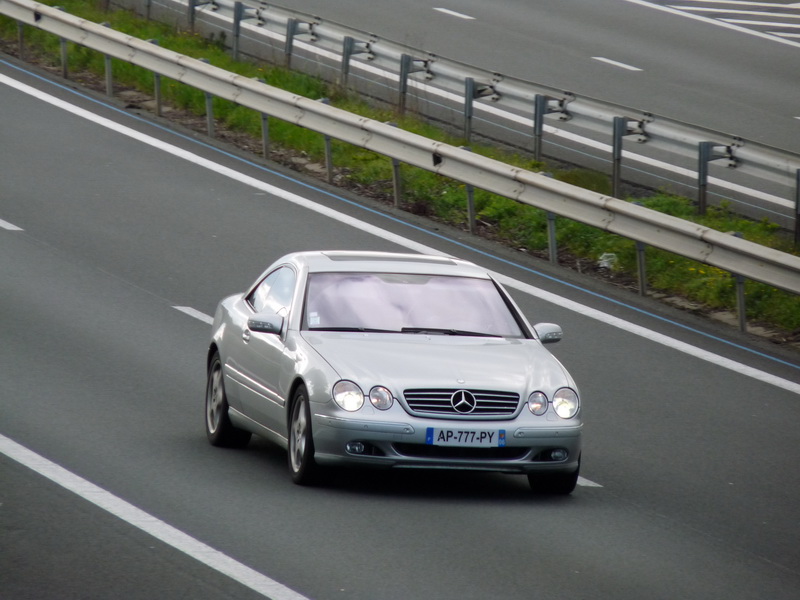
column 403, row 361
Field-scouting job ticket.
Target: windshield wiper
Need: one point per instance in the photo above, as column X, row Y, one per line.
column 445, row 331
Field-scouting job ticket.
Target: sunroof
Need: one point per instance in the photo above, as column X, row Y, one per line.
column 424, row 259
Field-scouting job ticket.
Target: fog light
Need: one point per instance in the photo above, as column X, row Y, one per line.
column 559, row 454
column 355, row 447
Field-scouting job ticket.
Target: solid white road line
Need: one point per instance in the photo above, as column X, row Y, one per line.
column 9, row 226
column 157, row 528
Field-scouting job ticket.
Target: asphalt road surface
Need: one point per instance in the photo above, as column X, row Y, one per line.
column 117, row 238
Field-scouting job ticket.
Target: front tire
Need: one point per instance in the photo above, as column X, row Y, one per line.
column 301, row 443
column 219, row 429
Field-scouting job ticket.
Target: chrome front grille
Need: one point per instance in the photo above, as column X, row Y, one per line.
column 488, row 403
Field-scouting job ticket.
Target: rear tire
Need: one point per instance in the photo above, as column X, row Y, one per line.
column 219, row 429
column 554, row 484
column 301, row 442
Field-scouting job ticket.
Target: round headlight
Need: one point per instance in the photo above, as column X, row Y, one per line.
column 537, row 403
column 348, row 395
column 380, row 397
column 565, row 403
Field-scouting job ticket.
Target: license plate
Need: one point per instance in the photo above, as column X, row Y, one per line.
column 480, row 438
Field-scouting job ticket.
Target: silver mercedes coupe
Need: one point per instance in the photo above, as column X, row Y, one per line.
column 377, row 359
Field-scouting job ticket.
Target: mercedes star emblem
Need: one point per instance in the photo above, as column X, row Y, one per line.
column 463, row 401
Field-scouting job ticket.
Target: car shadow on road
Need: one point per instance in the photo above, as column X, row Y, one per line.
column 443, row 485
column 413, row 484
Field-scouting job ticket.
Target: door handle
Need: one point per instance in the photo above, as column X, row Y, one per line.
column 246, row 335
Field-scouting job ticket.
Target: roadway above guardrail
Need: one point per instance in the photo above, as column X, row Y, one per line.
column 693, row 241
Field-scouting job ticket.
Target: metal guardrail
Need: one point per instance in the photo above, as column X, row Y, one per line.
column 754, row 179
column 724, row 251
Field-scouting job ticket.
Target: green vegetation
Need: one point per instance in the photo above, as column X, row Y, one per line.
column 427, row 193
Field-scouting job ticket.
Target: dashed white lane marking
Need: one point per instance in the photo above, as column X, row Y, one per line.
column 157, row 528
column 9, row 226
column 587, row 483
column 453, row 13
column 616, row 63
column 195, row 313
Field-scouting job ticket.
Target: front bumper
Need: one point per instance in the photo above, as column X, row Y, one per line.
column 388, row 444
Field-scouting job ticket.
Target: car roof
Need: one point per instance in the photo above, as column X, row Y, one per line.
column 361, row 261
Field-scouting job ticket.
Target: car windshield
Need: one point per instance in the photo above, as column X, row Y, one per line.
column 408, row 303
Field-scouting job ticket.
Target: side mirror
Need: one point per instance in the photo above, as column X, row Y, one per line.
column 548, row 333
column 265, row 323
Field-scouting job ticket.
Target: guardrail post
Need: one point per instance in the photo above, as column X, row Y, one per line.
column 293, row 29
column 620, row 129
column 741, row 308
column 408, row 65
column 539, row 108
column 405, row 68
column 552, row 244
column 545, row 105
column 705, row 150
column 623, row 126
column 238, row 13
column 21, row 39
column 63, row 46
column 472, row 92
column 265, row 134
column 328, row 150
column 264, row 129
column 470, row 200
column 209, row 108
column 641, row 267
column 397, row 180
column 108, row 70
column 708, row 151
column 156, row 85
column 641, row 263
column 109, row 76
column 64, row 68
column 241, row 13
column 192, row 6
column 351, row 47
column 469, row 96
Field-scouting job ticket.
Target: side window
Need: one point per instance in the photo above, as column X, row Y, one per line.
column 274, row 293
column 258, row 297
